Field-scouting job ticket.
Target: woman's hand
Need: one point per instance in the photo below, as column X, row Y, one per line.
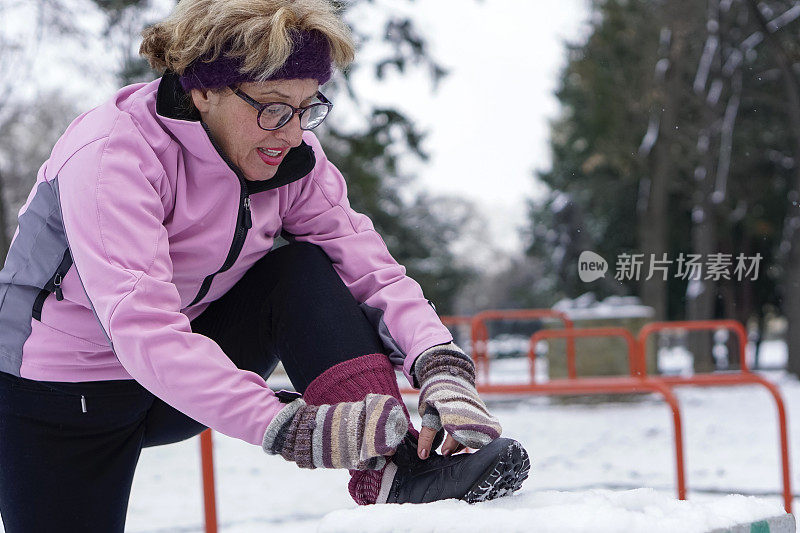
column 353, row 435
column 448, row 399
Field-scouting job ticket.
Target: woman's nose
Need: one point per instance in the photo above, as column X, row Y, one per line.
column 291, row 133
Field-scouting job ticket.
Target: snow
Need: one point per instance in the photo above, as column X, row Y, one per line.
column 651, row 136
column 752, row 41
column 706, row 59
column 678, row 360
column 694, row 289
column 784, row 19
column 560, row 201
column 555, row 511
column 586, row 307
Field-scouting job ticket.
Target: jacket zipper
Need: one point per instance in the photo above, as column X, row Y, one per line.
column 243, row 223
column 53, row 285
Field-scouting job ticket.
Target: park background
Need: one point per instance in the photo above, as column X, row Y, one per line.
column 492, row 142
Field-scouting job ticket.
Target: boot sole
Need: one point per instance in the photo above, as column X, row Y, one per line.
column 503, row 477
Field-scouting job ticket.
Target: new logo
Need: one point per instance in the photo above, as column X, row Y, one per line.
column 591, row 266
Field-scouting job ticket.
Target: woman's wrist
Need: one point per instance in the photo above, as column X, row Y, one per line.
column 443, row 358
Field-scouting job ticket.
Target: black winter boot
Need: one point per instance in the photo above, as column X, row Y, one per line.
column 497, row 469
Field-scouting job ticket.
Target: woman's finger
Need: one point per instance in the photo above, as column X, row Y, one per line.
column 424, row 442
column 451, row 446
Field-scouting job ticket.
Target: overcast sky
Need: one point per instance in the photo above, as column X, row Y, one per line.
column 487, row 123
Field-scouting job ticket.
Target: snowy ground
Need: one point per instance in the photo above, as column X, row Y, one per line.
column 599, row 510
column 577, row 447
column 731, row 447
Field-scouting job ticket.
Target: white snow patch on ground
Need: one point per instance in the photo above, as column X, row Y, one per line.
column 586, row 307
column 679, row 360
column 552, row 511
column 773, row 353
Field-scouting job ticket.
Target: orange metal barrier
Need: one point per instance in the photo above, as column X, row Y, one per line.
column 636, row 383
column 742, row 377
column 480, row 333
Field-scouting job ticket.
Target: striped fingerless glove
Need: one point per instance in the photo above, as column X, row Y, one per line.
column 353, row 435
column 448, row 397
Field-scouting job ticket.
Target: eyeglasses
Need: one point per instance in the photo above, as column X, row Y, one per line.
column 274, row 115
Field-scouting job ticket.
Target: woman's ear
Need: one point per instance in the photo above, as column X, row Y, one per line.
column 202, row 99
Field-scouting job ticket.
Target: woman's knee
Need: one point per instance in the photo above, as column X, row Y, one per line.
column 310, row 291
column 166, row 425
column 304, row 254
column 306, row 265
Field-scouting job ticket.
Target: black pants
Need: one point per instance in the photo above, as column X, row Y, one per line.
column 65, row 470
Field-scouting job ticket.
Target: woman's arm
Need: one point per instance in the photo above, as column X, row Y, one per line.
column 110, row 195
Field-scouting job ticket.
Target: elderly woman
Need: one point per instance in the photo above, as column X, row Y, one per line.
column 143, row 298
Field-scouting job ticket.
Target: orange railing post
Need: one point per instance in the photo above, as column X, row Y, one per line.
column 209, row 496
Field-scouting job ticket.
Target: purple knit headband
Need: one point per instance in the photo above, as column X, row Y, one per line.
column 310, row 58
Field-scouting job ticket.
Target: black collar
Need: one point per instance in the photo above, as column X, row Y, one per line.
column 175, row 103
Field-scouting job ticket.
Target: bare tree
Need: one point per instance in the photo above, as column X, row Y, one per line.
column 659, row 143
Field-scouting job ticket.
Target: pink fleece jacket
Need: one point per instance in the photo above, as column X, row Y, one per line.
column 148, row 210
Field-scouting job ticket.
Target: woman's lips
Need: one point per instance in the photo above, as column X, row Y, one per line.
column 273, row 160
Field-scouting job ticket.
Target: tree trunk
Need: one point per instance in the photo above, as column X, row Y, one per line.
column 700, row 292
column 654, row 213
column 701, row 297
column 653, row 235
column 791, row 282
column 743, row 307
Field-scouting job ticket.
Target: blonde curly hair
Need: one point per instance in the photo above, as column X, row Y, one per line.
column 257, row 32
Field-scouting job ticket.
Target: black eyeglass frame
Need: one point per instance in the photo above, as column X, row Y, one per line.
column 295, row 110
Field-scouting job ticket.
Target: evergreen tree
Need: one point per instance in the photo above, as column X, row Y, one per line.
column 594, row 180
column 676, row 137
